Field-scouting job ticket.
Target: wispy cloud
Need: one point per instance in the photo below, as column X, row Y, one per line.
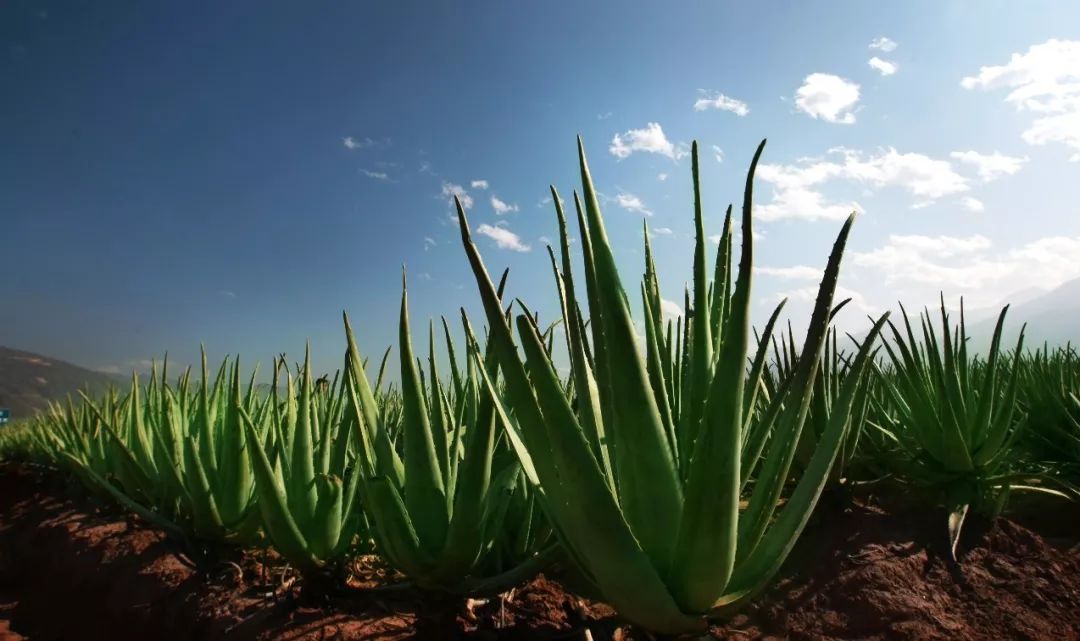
column 138, row 364
column 884, row 67
column 718, row 153
column 972, row 204
column 828, row 97
column 881, row 43
column 501, row 207
column 503, row 237
column 809, row 294
column 449, row 190
column 917, row 267
column 992, row 166
column 650, row 139
column 630, row 202
column 661, row 176
column 797, row 187
column 377, row 175
column 429, row 242
column 354, row 144
column 1044, row 81
column 721, row 102
column 670, row 308
column 479, row 184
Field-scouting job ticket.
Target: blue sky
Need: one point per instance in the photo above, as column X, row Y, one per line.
column 183, row 173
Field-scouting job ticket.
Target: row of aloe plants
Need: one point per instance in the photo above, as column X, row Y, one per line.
column 671, row 480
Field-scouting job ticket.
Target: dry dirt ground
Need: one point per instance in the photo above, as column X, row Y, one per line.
column 71, row 570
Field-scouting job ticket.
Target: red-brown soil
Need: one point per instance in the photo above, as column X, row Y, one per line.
column 70, row 570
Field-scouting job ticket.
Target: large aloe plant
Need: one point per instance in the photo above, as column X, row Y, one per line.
column 305, row 476
column 175, row 455
column 1050, row 396
column 647, row 504
column 438, row 511
column 956, row 417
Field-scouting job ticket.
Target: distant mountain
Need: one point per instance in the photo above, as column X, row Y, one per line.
column 29, row 381
column 1053, row 317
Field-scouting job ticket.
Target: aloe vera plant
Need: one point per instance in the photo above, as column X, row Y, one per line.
column 644, row 498
column 956, row 418
column 175, row 456
column 304, row 474
column 1050, row 397
column 835, row 369
column 439, row 510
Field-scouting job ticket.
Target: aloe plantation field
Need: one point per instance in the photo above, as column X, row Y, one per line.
column 539, row 437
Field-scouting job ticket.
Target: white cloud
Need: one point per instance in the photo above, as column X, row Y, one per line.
column 377, row 175
column 352, row 144
column 663, row 231
column 806, row 204
column 603, row 116
column 885, row 67
column 917, row 267
column 1044, row 81
column 670, row 308
column 503, row 237
column 828, row 97
column 809, row 294
column 796, row 272
column 721, row 102
column 990, row 166
column 881, row 43
column 661, row 177
column 921, row 175
column 500, row 207
column 631, row 202
column 718, row 153
column 972, row 204
column 650, row 139
column 449, row 190
column 429, row 242
column 795, row 186
column 479, row 184
column 545, row 240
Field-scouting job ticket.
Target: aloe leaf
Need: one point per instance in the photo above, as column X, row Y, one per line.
column 425, row 493
column 711, row 512
column 777, row 463
column 275, row 506
column 649, row 489
column 754, row 570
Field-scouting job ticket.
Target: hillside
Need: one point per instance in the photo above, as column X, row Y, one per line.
column 29, row 381
column 1053, row 317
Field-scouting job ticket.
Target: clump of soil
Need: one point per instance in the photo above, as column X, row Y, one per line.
column 864, row 572
column 865, row 569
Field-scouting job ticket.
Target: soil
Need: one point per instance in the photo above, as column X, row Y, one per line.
column 867, row 568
